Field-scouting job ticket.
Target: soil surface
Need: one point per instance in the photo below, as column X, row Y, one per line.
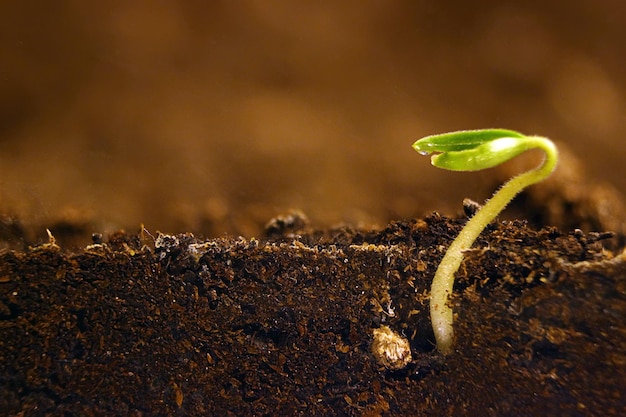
column 283, row 325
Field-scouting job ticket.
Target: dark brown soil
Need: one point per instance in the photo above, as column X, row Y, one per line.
column 283, row 325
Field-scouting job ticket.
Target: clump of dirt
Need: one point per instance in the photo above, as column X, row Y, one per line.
column 283, row 325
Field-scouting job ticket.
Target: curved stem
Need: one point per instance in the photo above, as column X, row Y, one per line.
column 440, row 311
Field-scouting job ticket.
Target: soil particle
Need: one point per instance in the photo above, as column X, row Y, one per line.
column 284, row 325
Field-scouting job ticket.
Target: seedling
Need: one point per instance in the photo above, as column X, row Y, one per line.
column 473, row 150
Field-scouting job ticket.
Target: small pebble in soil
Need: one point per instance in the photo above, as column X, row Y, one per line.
column 390, row 349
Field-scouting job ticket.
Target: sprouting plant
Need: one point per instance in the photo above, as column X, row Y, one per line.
column 473, row 150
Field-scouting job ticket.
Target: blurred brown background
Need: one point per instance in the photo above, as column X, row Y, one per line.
column 212, row 117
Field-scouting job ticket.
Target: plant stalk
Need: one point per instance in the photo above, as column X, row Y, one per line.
column 440, row 311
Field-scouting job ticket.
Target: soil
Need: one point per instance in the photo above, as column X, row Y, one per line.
column 283, row 325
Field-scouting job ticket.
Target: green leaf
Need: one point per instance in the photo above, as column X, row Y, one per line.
column 461, row 140
column 472, row 150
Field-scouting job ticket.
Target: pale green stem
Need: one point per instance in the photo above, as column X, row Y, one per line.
column 440, row 311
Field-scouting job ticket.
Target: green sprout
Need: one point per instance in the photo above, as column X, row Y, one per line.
column 473, row 150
